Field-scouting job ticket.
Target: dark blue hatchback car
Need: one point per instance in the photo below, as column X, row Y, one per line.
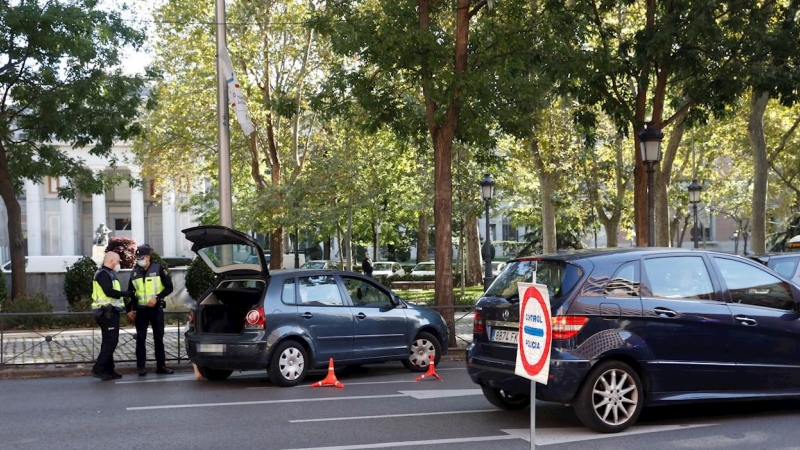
column 638, row 327
column 291, row 321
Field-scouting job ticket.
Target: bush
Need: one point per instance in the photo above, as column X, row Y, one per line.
column 78, row 283
column 125, row 248
column 36, row 303
column 199, row 277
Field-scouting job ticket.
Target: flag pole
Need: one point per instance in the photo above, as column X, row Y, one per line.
column 224, row 138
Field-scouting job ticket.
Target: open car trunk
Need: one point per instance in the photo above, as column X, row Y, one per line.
column 223, row 311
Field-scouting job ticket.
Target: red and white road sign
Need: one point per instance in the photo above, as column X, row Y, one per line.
column 534, row 338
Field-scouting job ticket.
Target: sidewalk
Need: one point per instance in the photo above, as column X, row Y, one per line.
column 53, row 353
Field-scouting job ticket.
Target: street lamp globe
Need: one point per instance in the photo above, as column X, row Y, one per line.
column 650, row 143
column 487, row 187
column 694, row 192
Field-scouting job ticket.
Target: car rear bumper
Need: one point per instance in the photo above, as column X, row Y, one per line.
column 564, row 379
column 221, row 353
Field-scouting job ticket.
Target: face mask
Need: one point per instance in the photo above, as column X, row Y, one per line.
column 116, row 268
column 141, row 262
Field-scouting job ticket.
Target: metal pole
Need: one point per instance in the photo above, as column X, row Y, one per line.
column 533, row 415
column 296, row 250
column 651, row 207
column 487, row 280
column 696, row 230
column 224, row 138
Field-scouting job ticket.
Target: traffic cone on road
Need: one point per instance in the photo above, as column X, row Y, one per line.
column 330, row 379
column 430, row 373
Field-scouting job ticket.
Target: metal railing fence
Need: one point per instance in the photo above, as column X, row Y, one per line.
column 66, row 338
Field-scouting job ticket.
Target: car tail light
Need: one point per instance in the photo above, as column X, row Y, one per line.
column 566, row 327
column 190, row 322
column 477, row 323
column 255, row 319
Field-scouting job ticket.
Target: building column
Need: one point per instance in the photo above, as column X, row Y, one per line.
column 67, row 219
column 137, row 212
column 33, row 213
column 169, row 223
column 99, row 212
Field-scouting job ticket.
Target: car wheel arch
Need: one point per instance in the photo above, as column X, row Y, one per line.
column 296, row 338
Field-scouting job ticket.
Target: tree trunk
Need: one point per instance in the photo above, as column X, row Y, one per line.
column 442, row 213
column 19, row 285
column 663, row 179
column 326, row 249
column 474, row 276
column 423, row 245
column 758, row 147
column 547, row 183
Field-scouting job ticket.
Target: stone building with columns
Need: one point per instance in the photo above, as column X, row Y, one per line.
column 53, row 226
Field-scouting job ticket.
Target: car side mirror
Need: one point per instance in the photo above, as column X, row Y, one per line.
column 395, row 301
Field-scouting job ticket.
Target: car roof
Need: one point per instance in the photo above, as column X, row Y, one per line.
column 582, row 254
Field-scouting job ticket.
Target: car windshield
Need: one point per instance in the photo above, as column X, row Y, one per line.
column 222, row 258
column 314, row 265
column 424, row 266
column 559, row 277
column 382, row 266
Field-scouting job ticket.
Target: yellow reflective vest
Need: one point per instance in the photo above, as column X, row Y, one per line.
column 99, row 297
column 147, row 285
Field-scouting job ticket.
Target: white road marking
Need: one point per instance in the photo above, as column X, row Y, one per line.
column 261, row 402
column 419, row 395
column 349, row 384
column 441, row 393
column 413, row 443
column 392, row 416
column 548, row 436
column 544, row 436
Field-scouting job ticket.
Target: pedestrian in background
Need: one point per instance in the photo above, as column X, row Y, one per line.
column 151, row 283
column 366, row 265
column 107, row 303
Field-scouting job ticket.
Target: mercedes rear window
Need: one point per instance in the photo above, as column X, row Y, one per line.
column 559, row 276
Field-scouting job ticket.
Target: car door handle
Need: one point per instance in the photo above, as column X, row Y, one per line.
column 744, row 320
column 361, row 316
column 664, row 312
column 306, row 315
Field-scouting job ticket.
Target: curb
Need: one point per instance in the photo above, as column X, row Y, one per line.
column 82, row 370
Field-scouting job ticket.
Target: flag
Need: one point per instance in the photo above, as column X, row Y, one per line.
column 235, row 96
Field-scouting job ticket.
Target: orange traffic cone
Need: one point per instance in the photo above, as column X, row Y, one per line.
column 330, row 379
column 430, row 373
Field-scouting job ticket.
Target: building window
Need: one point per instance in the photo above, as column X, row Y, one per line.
column 492, row 233
column 53, row 183
column 122, row 224
column 509, row 233
column 154, row 192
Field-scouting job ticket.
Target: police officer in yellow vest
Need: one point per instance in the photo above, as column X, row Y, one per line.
column 151, row 284
column 107, row 303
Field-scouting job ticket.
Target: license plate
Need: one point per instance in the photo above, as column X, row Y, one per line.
column 505, row 336
column 210, row 348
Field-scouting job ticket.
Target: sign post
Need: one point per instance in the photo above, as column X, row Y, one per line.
column 533, row 342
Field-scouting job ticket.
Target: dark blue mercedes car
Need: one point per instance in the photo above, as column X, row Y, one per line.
column 639, row 327
column 291, row 321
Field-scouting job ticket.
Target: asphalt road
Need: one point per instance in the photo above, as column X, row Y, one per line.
column 380, row 407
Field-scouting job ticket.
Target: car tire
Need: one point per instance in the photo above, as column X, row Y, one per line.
column 501, row 399
column 214, row 374
column 421, row 348
column 611, row 397
column 289, row 364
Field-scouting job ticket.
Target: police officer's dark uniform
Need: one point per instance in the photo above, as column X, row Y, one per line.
column 107, row 303
column 151, row 284
column 366, row 265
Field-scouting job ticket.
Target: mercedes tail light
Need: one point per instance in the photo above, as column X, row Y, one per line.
column 567, row 327
column 477, row 323
column 255, row 319
column 190, row 322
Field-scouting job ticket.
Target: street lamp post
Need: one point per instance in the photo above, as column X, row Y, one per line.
column 487, row 191
column 694, row 198
column 650, row 145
